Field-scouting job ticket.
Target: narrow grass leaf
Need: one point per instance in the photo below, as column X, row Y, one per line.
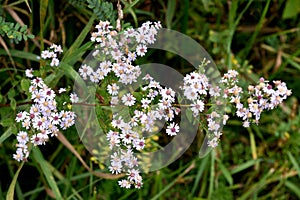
column 20, row 54
column 294, row 162
column 293, row 63
column 72, row 50
column 293, row 187
column 225, row 172
column 43, row 12
column 170, row 13
column 5, row 135
column 244, row 166
column 47, row 172
column 11, row 189
column 71, row 73
column 167, row 187
column 78, row 53
column 201, row 169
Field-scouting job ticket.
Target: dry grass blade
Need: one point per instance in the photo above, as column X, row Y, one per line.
column 2, row 42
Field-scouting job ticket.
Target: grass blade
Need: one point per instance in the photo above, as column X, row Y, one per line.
column 48, row 174
column 11, row 190
column 20, row 54
column 72, row 50
column 5, row 135
column 293, row 187
column 170, row 13
column 244, row 166
column 225, row 172
column 294, row 162
column 43, row 11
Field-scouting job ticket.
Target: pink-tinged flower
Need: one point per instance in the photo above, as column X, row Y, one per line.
column 128, row 99
column 213, row 143
column 73, row 98
column 197, row 107
column 141, row 50
column 21, row 116
column 113, row 89
column 22, row 137
column 28, row 73
column 124, row 183
column 172, row 129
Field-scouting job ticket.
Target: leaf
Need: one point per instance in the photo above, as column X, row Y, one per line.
column 225, row 172
column 294, row 162
column 244, row 166
column 31, row 36
column 189, row 114
column 46, row 171
column 11, row 93
column 23, row 29
column 11, row 189
column 7, row 122
column 17, row 26
column 291, row 9
column 78, row 53
column 170, row 13
column 13, row 104
column 78, row 41
column 25, row 84
column 43, row 11
column 293, row 187
column 20, row 54
column 6, row 135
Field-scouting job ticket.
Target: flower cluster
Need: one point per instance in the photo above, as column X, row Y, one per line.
column 52, row 54
column 263, row 96
column 197, row 88
column 42, row 121
column 116, row 51
column 126, row 136
column 123, row 159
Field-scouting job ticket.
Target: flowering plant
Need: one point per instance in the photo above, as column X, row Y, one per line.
column 111, row 73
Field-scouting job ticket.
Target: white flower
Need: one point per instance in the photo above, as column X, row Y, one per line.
column 85, row 71
column 213, row 143
column 190, row 93
column 113, row 89
column 197, row 107
column 21, row 116
column 54, row 62
column 22, row 137
column 246, row 124
column 19, row 156
column 141, row 50
column 225, row 118
column 61, row 90
column 45, row 54
column 172, row 129
column 124, row 183
column 28, row 73
column 128, row 99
